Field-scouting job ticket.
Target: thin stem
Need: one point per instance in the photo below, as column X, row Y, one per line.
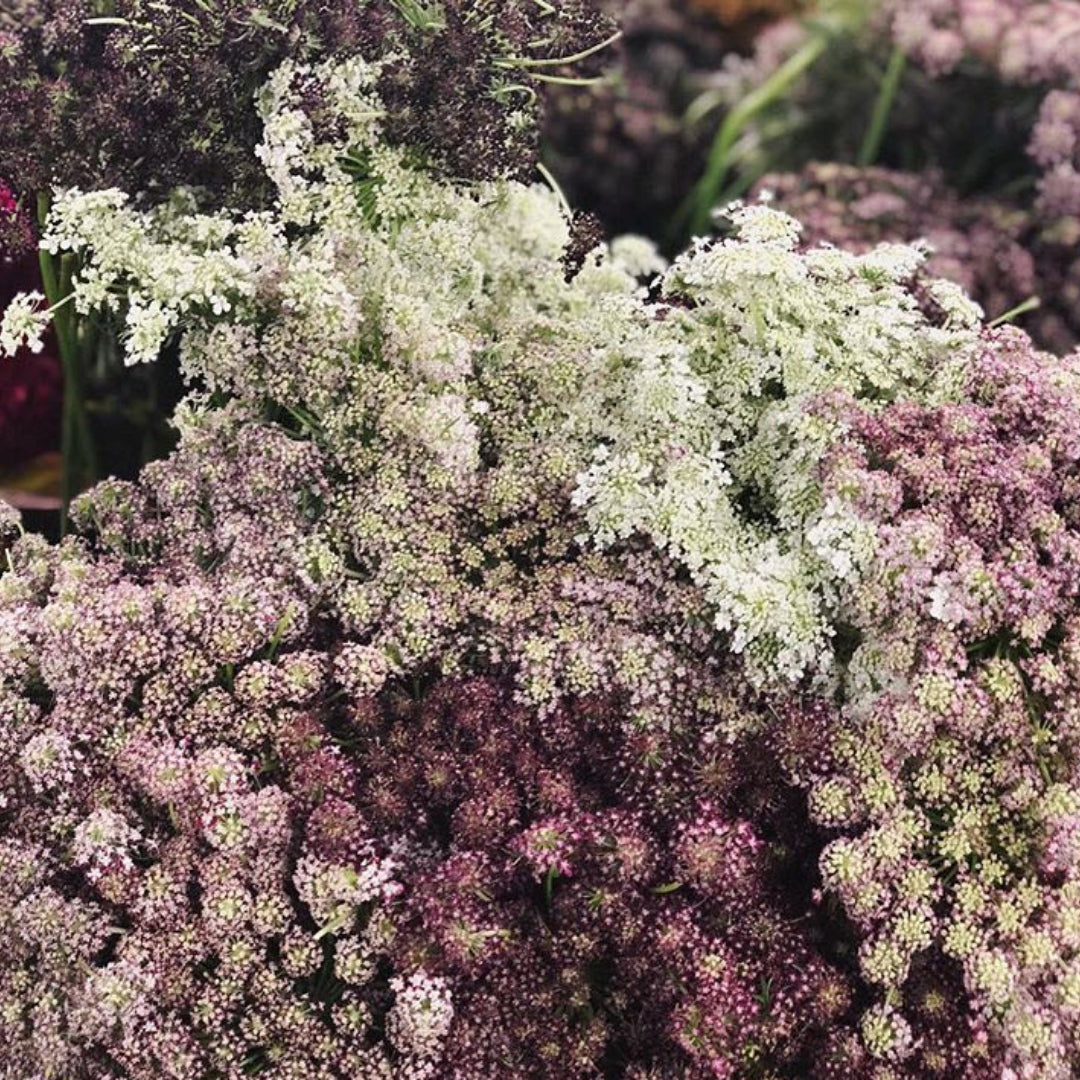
column 1030, row 304
column 549, row 884
column 78, row 468
column 516, row 88
column 559, row 61
column 567, row 80
column 879, row 120
column 707, row 191
column 546, row 173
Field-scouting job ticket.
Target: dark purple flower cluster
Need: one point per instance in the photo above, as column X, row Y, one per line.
column 601, row 903
column 149, row 96
column 1000, row 253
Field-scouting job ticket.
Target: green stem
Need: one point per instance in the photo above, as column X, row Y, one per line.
column 1030, row 304
column 549, row 885
column 707, row 192
column 567, row 80
column 78, row 458
column 552, row 183
column 879, row 120
column 558, row 61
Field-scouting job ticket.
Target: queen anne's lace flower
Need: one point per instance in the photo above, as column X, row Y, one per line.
column 401, row 719
column 755, row 327
column 23, row 324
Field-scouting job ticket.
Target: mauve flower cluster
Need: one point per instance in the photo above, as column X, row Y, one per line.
column 1028, row 42
column 998, row 252
column 225, row 856
column 950, row 765
column 598, row 903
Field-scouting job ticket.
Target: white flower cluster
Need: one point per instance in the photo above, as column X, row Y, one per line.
column 421, row 330
column 23, row 324
column 313, row 178
column 420, row 1018
column 710, row 451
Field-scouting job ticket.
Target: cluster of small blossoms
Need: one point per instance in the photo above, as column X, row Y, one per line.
column 426, row 340
column 598, row 904
column 998, row 252
column 226, row 855
column 949, row 765
column 152, row 96
column 191, row 890
column 707, row 450
column 220, row 860
column 339, row 747
column 1028, row 42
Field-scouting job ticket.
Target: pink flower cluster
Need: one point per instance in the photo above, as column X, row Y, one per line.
column 1028, row 42
column 950, row 771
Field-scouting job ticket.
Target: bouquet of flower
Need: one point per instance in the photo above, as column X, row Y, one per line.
column 536, row 660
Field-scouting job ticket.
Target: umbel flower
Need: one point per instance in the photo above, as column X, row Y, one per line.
column 152, row 96
column 500, row 639
column 1000, row 253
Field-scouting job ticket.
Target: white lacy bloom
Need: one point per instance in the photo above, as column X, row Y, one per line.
column 538, row 225
column 894, row 262
column 445, row 426
column 78, row 218
column 765, row 601
column 844, row 541
column 311, row 183
column 23, row 324
column 148, row 328
column 637, row 256
column 960, row 310
column 760, row 224
column 616, row 496
column 728, row 377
